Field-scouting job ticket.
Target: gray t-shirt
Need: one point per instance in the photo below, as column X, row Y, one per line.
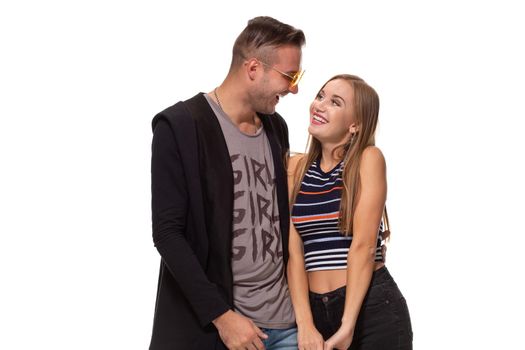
column 260, row 291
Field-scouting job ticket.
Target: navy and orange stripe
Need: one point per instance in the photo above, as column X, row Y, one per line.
column 315, row 215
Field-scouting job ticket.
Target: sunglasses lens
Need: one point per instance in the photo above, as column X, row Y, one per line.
column 297, row 77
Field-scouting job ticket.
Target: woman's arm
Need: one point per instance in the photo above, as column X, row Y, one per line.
column 367, row 216
column 308, row 337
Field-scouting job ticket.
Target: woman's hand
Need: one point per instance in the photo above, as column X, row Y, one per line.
column 340, row 340
column 309, row 338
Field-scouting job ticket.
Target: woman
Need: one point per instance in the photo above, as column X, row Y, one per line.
column 341, row 290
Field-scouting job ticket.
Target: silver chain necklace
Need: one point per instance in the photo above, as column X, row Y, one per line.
column 218, row 101
column 222, row 109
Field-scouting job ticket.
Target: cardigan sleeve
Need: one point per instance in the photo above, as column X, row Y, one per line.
column 170, row 213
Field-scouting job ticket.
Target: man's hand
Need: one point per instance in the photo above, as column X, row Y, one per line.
column 383, row 252
column 386, row 235
column 238, row 332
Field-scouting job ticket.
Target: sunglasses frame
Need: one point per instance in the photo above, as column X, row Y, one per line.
column 294, row 79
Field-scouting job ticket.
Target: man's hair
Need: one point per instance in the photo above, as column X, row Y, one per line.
column 261, row 36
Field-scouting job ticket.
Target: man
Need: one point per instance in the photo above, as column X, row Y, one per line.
column 219, row 203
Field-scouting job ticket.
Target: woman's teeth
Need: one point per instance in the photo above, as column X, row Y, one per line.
column 319, row 119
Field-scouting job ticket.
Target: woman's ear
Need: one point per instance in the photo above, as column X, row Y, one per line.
column 353, row 128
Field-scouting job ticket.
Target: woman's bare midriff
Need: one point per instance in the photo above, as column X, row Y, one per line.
column 321, row 282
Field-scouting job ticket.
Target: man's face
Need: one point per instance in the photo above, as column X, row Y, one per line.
column 273, row 84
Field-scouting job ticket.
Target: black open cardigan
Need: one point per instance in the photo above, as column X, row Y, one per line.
column 192, row 211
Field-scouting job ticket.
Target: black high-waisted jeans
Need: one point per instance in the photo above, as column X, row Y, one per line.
column 383, row 322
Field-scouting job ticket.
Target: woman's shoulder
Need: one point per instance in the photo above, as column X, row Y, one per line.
column 373, row 152
column 372, row 159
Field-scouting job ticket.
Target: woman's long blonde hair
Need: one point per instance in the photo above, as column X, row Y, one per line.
column 366, row 111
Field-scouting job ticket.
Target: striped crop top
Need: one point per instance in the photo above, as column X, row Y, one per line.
column 315, row 215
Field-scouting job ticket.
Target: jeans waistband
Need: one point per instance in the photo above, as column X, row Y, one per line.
column 379, row 276
column 336, row 292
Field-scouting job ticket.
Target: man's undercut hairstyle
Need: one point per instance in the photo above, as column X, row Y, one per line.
column 261, row 36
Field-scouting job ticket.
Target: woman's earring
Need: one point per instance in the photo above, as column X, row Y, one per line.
column 352, row 139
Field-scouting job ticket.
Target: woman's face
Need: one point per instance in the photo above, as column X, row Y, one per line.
column 332, row 113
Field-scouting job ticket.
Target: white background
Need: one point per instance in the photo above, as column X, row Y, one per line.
column 81, row 81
